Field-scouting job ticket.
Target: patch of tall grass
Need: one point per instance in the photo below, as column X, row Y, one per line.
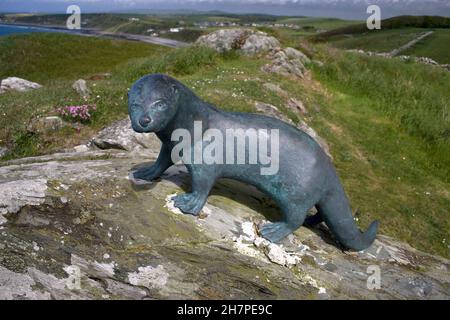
column 416, row 96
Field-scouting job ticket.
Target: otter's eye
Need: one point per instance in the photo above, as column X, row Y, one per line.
column 159, row 105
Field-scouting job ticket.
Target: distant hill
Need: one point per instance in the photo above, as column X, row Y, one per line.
column 391, row 23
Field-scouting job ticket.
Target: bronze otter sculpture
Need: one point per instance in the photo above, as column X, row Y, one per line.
column 305, row 177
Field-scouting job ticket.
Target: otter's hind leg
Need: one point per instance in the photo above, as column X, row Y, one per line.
column 293, row 218
column 314, row 220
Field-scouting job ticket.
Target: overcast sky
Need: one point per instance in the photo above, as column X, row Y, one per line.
column 327, row 8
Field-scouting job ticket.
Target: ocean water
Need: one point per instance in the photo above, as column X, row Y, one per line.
column 4, row 30
column 8, row 29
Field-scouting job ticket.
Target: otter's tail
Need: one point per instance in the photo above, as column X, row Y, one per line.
column 336, row 212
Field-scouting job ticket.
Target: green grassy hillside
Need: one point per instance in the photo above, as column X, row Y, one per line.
column 386, row 122
column 394, row 33
column 436, row 47
column 425, row 22
column 49, row 56
column 380, row 41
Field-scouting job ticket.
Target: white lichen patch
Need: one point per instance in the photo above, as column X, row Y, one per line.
column 251, row 244
column 170, row 205
column 249, row 231
column 149, row 277
column 246, row 248
column 278, row 255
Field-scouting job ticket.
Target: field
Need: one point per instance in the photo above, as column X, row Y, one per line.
column 396, row 32
column 436, row 47
column 377, row 41
column 386, row 121
column 193, row 25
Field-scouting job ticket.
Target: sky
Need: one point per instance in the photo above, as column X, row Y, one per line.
column 355, row 9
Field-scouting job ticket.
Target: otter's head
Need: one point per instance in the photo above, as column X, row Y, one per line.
column 152, row 102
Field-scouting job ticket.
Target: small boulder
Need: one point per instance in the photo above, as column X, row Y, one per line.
column 259, row 42
column 81, row 87
column 282, row 64
column 17, row 84
column 292, row 53
column 46, row 124
column 121, row 136
column 225, row 39
column 3, row 151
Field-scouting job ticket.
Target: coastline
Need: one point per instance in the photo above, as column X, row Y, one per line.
column 102, row 34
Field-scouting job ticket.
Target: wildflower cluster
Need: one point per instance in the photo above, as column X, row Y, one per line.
column 77, row 113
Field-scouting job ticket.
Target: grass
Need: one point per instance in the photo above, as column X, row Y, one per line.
column 388, row 124
column 385, row 121
column 435, row 46
column 56, row 61
column 44, row 57
column 384, row 40
column 416, row 96
column 399, row 22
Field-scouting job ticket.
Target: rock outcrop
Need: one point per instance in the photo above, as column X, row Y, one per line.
column 247, row 41
column 73, row 226
column 284, row 64
column 17, row 84
column 287, row 62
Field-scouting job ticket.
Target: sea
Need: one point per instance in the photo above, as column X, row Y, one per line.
column 14, row 29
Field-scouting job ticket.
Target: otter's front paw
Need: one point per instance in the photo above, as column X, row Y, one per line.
column 144, row 174
column 189, row 203
column 274, row 232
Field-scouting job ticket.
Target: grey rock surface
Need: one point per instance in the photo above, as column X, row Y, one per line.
column 76, row 228
column 17, row 84
column 73, row 226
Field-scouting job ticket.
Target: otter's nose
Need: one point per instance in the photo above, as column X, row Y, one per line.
column 144, row 121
